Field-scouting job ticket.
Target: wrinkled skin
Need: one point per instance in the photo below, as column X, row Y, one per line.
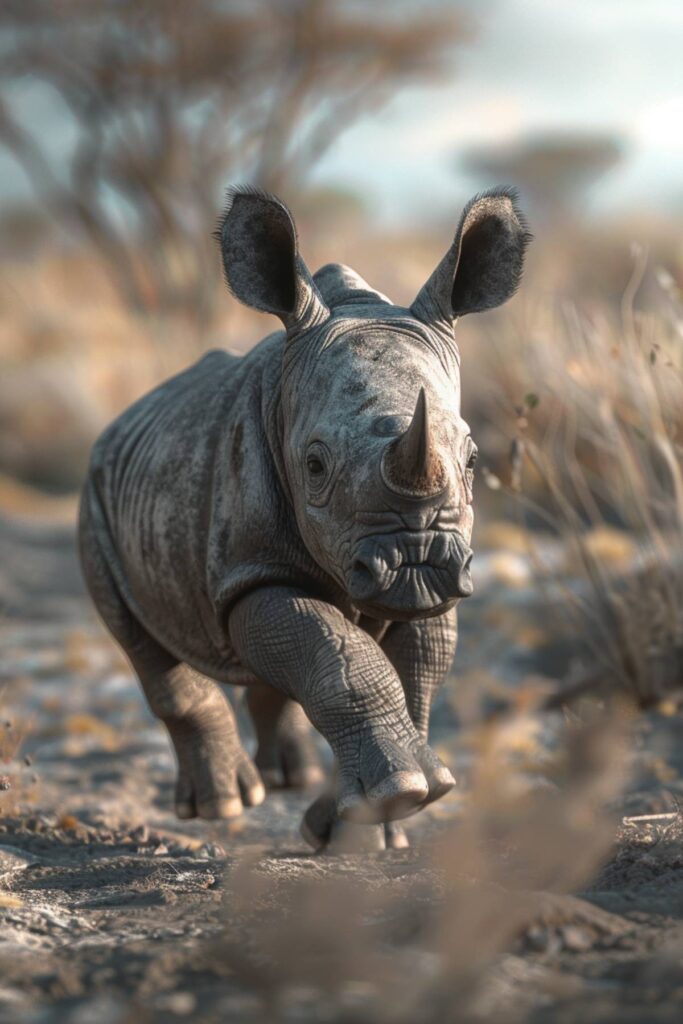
column 298, row 522
column 396, row 554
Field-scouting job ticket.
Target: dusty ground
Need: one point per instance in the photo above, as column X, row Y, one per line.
column 112, row 911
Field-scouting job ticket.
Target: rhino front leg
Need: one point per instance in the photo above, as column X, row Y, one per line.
column 422, row 653
column 286, row 753
column 351, row 693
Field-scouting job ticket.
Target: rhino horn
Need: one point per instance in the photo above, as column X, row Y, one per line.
column 411, row 464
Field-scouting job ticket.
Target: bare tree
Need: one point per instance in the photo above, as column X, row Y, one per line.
column 172, row 99
column 553, row 170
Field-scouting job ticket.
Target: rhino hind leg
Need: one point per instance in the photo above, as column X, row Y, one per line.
column 216, row 777
column 286, row 755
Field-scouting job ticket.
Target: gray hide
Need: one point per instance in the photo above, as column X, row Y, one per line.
column 298, row 520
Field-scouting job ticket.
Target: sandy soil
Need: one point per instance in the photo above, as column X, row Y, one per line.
column 111, row 910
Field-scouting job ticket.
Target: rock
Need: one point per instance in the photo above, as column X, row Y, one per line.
column 11, row 997
column 543, row 940
column 179, row 1003
column 140, row 835
column 13, row 859
column 576, row 939
column 209, row 851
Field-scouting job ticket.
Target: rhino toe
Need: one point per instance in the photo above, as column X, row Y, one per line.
column 439, row 777
column 396, row 796
column 324, row 830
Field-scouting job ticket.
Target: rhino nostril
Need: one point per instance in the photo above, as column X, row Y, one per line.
column 465, row 584
column 361, row 570
column 362, row 583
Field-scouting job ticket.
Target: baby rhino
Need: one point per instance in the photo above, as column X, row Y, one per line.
column 297, row 521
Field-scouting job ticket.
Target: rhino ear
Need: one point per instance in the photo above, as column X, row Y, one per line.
column 483, row 266
column 261, row 260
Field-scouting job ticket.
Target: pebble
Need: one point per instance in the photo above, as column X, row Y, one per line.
column 543, row 940
column 576, row 939
column 179, row 1003
column 140, row 834
column 209, row 851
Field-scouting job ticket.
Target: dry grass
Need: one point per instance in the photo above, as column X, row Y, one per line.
column 16, row 774
column 597, row 458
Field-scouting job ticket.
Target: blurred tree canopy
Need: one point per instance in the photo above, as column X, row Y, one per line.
column 552, row 170
column 173, row 100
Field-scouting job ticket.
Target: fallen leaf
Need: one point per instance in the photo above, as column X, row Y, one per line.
column 8, row 900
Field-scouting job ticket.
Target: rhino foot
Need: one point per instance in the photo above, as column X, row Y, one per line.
column 287, row 755
column 290, row 762
column 387, row 780
column 215, row 778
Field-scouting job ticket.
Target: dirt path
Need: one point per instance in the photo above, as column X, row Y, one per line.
column 112, row 911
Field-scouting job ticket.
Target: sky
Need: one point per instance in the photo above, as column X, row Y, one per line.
column 534, row 66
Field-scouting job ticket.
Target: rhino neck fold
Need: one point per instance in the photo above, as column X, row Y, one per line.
column 273, row 422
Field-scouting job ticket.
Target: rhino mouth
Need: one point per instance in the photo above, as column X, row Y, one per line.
column 410, row 574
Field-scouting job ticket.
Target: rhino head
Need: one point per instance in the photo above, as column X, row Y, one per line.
column 377, row 459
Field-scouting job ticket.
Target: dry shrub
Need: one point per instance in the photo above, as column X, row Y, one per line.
column 415, row 935
column 598, row 455
column 16, row 777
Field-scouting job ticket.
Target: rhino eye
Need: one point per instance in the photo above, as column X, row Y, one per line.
column 472, row 455
column 318, row 465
